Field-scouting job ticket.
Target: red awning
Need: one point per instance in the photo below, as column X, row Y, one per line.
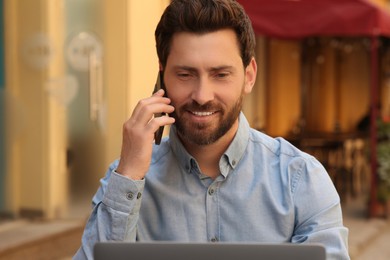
column 302, row 18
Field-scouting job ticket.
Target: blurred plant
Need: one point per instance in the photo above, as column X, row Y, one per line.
column 383, row 155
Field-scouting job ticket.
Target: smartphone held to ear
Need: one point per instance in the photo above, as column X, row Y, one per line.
column 159, row 85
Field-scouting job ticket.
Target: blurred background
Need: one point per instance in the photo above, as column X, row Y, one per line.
column 71, row 72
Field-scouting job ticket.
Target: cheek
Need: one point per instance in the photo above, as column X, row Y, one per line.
column 177, row 96
column 175, row 90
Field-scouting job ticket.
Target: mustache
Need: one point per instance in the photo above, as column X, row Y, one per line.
column 195, row 106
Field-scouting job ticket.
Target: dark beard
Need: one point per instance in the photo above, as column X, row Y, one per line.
column 198, row 133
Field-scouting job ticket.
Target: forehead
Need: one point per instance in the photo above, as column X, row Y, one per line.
column 221, row 46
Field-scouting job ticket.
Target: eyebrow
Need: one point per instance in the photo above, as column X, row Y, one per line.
column 223, row 67
column 187, row 68
column 217, row 68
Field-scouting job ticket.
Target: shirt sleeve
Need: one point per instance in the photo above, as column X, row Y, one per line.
column 115, row 212
column 318, row 210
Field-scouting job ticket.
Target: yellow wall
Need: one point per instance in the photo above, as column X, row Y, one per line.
column 355, row 88
column 283, row 86
column 385, row 88
column 36, row 152
column 131, row 63
column 37, row 180
column 254, row 105
column 339, row 88
column 337, row 81
column 382, row 3
column 321, row 94
column 143, row 63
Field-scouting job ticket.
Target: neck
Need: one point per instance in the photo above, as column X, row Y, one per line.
column 208, row 156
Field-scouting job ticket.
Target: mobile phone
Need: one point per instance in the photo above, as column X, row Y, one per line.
column 159, row 85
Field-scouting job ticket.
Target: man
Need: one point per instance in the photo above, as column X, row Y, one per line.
column 214, row 178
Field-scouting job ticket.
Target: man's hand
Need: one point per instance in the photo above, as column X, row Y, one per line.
column 138, row 135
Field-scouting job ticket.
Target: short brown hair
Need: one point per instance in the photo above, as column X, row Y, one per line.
column 203, row 16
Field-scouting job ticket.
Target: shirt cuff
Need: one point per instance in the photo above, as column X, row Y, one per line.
column 123, row 194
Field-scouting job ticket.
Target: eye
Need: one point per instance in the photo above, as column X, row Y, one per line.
column 221, row 75
column 184, row 75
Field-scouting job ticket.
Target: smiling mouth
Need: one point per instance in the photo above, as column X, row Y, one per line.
column 202, row 113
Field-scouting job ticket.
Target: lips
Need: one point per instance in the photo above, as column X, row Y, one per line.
column 202, row 113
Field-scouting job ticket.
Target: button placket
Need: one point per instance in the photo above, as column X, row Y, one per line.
column 212, row 212
column 130, row 195
column 214, row 239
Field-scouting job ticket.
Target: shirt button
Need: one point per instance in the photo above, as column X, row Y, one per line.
column 234, row 162
column 214, row 239
column 130, row 196
column 211, row 192
column 139, row 195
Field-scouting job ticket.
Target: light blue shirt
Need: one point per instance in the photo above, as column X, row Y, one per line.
column 267, row 191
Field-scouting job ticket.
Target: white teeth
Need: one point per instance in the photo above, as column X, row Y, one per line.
column 202, row 113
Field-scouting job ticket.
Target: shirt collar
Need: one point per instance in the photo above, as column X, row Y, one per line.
column 230, row 158
column 184, row 158
column 236, row 149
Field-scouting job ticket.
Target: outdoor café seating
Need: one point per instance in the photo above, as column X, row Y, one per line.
column 345, row 157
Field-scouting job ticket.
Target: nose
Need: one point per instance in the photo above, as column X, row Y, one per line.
column 203, row 91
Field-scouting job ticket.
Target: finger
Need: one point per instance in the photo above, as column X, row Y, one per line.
column 156, row 122
column 146, row 108
column 159, row 92
column 153, row 110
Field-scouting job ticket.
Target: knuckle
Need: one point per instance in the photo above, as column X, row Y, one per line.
column 153, row 124
column 142, row 102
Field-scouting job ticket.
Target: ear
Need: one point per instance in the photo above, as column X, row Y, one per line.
column 250, row 76
column 160, row 66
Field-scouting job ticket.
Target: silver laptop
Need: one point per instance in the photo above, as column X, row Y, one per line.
column 206, row 251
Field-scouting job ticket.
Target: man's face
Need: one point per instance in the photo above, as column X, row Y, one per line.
column 206, row 81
